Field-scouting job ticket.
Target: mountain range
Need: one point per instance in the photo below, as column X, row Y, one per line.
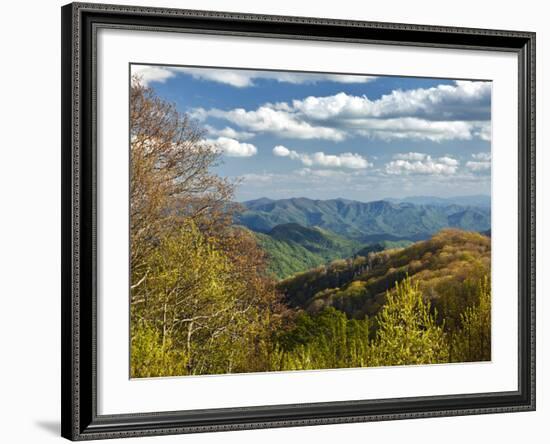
column 479, row 200
column 365, row 222
column 299, row 233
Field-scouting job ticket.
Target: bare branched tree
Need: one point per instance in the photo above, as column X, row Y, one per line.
column 201, row 301
column 170, row 173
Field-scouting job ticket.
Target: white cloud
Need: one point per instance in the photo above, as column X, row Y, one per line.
column 238, row 79
column 232, row 147
column 242, row 78
column 445, row 102
column 228, row 132
column 445, row 112
column 309, row 172
column 481, row 164
column 148, row 74
column 414, row 128
column 289, row 124
column 478, row 166
column 344, row 160
column 281, row 151
column 273, row 121
column 308, row 78
column 410, row 156
column 482, row 156
column 446, row 160
column 484, row 131
column 258, row 178
column 418, row 164
column 441, row 113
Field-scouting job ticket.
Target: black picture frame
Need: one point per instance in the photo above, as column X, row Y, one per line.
column 80, row 420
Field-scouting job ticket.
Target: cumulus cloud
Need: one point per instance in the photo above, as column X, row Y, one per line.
column 477, row 166
column 464, row 100
column 418, row 163
column 233, row 148
column 441, row 113
column 246, row 78
column 484, row 131
column 410, row 156
column 446, row 160
column 482, row 156
column 241, row 78
column 148, row 74
column 289, row 124
column 480, row 164
column 281, row 151
column 459, row 111
column 418, row 129
column 344, row 160
column 228, row 132
column 306, row 172
column 238, row 79
column 272, row 121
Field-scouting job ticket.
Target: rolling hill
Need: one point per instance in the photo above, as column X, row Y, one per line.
column 292, row 248
column 357, row 286
column 363, row 222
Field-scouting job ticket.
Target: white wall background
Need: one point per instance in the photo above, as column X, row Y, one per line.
column 30, row 221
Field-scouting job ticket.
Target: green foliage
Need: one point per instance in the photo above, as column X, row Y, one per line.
column 196, row 317
column 407, row 331
column 472, row 340
column 443, row 266
column 326, row 340
column 194, row 309
column 292, row 248
column 301, row 288
column 150, row 358
column 383, row 245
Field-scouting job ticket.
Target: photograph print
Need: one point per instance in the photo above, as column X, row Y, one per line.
column 286, row 221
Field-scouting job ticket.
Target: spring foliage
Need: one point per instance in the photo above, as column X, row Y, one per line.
column 203, row 299
column 200, row 299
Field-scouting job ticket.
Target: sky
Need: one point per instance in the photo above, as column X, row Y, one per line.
column 325, row 136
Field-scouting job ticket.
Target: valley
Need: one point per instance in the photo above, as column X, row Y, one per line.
column 298, row 233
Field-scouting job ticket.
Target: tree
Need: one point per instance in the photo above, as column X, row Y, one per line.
column 200, row 299
column 407, row 332
column 472, row 341
column 324, row 340
column 170, row 175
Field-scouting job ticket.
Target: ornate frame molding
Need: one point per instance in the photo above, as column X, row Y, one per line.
column 79, row 395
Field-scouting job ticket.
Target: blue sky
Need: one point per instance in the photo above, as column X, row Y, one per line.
column 288, row 134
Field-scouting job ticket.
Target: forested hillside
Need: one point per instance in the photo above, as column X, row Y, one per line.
column 292, row 248
column 439, row 288
column 204, row 291
column 358, row 285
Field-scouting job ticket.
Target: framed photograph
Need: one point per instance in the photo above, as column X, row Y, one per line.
column 282, row 221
